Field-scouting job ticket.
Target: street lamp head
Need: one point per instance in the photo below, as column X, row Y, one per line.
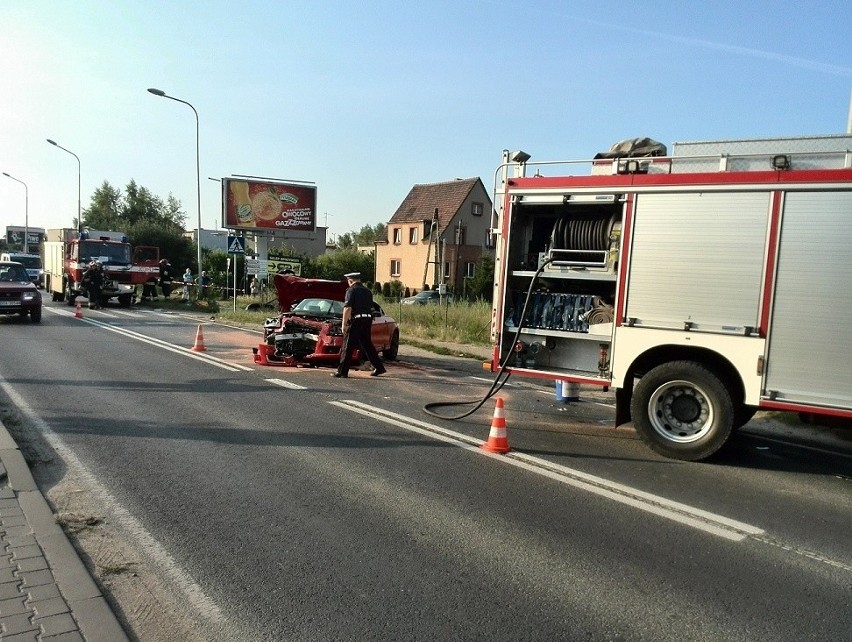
column 156, row 92
column 5, row 174
column 52, row 142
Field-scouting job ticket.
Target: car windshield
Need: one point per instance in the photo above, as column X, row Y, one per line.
column 13, row 273
column 319, row 306
column 426, row 294
column 31, row 262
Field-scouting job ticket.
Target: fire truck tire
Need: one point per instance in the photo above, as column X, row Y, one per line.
column 125, row 300
column 391, row 353
column 69, row 294
column 682, row 410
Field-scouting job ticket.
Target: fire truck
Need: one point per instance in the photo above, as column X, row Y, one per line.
column 700, row 286
column 68, row 252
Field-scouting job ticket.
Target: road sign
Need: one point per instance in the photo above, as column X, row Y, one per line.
column 236, row 245
column 258, row 267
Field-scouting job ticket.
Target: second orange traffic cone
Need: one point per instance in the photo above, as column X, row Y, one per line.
column 199, row 341
column 498, row 441
column 78, row 312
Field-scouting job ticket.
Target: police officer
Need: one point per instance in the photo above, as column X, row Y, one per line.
column 357, row 321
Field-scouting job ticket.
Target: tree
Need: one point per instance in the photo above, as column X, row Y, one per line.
column 345, row 242
column 335, row 264
column 145, row 218
column 368, row 235
column 481, row 286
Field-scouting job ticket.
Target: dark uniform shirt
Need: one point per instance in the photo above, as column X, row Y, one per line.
column 359, row 298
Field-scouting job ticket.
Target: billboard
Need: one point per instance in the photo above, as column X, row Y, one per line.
column 256, row 205
column 15, row 236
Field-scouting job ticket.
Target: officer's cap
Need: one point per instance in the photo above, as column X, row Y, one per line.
column 355, row 276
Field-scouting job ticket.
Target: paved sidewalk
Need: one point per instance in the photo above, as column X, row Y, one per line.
column 46, row 593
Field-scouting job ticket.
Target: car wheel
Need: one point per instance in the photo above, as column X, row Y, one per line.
column 391, row 353
column 35, row 315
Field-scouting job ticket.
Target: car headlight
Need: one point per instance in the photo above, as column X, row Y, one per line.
column 31, row 296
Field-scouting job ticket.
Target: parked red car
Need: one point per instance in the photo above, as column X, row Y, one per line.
column 308, row 330
column 18, row 295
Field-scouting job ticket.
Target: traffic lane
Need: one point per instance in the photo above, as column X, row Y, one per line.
column 137, row 441
column 753, row 482
column 360, row 497
column 586, row 441
column 338, row 514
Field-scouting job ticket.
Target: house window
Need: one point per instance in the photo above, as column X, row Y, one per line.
column 476, row 209
column 447, row 270
column 395, row 267
column 469, row 269
column 397, row 236
column 412, row 235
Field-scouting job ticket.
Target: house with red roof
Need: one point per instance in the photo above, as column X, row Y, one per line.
column 437, row 235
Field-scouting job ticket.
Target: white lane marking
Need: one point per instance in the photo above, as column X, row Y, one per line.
column 485, row 379
column 660, row 506
column 130, row 524
column 159, row 343
column 286, row 384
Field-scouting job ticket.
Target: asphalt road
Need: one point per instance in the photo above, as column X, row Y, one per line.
column 283, row 504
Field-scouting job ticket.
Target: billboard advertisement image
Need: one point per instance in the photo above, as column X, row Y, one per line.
column 254, row 204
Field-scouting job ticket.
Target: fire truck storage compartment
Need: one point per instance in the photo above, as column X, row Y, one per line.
column 810, row 351
column 570, row 309
column 696, row 258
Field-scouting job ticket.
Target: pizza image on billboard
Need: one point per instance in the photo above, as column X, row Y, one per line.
column 249, row 204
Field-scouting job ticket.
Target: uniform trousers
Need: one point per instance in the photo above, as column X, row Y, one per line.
column 358, row 336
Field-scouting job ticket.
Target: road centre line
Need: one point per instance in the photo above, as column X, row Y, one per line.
column 159, row 343
column 286, row 384
column 675, row 511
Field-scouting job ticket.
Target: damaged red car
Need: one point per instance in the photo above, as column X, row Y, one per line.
column 308, row 329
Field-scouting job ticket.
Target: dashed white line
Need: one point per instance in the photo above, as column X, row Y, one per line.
column 286, row 384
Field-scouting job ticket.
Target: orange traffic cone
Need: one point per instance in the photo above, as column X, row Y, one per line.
column 78, row 312
column 199, row 341
column 497, row 442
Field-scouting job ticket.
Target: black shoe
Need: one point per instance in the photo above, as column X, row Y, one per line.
column 339, row 375
column 378, row 371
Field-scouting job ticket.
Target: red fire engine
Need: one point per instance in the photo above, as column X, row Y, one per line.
column 701, row 286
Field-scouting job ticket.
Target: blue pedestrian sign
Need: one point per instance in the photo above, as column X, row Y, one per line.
column 236, row 245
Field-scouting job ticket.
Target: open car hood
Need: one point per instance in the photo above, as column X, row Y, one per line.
column 292, row 288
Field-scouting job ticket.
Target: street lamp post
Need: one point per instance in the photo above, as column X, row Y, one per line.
column 26, row 212
column 79, row 211
column 162, row 94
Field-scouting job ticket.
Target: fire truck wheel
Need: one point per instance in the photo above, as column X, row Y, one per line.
column 125, row 300
column 682, row 410
column 69, row 294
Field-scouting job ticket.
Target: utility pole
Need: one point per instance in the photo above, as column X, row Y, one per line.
column 433, row 229
column 437, row 272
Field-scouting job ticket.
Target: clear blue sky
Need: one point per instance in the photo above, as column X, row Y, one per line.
column 368, row 98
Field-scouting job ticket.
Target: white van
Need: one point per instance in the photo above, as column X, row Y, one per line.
column 32, row 263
